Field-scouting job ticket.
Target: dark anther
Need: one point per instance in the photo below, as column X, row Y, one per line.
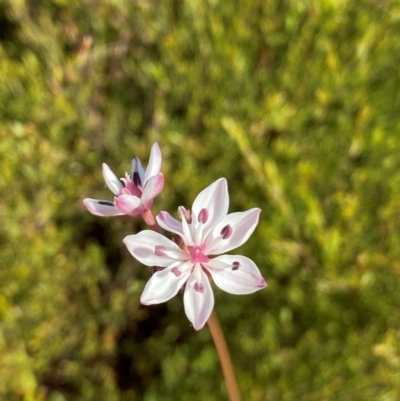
column 136, row 179
column 235, row 265
column 203, row 216
column 226, row 232
column 106, row 203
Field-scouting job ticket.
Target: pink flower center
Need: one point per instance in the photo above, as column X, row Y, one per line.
column 130, row 187
column 197, row 254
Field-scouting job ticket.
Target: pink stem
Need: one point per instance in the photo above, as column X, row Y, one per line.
column 151, row 221
column 224, row 357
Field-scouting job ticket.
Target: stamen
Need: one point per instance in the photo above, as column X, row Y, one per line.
column 198, row 287
column 235, row 265
column 184, row 214
column 105, row 203
column 203, row 216
column 176, row 271
column 160, row 250
column 226, row 232
column 136, row 179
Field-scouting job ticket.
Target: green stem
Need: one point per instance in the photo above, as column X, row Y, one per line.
column 224, row 357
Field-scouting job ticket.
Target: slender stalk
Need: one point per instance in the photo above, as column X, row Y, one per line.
column 149, row 219
column 151, row 222
column 215, row 329
column 224, row 357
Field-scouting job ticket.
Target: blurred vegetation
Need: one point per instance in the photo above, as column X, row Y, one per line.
column 295, row 102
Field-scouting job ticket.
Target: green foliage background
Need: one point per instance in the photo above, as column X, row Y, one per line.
column 295, row 102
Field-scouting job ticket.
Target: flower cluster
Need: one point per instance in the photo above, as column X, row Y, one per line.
column 139, row 189
column 207, row 230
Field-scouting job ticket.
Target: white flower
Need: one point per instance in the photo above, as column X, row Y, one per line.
column 139, row 189
column 211, row 232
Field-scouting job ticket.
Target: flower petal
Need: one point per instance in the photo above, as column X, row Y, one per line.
column 167, row 222
column 101, row 207
column 137, row 172
column 152, row 188
column 129, row 204
column 235, row 274
column 153, row 249
column 111, row 180
column 198, row 298
column 186, row 229
column 165, row 284
column 209, row 208
column 231, row 232
column 154, row 164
